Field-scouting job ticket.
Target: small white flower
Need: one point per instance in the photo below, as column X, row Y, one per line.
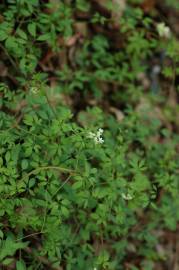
column 34, row 90
column 156, row 69
column 96, row 136
column 127, row 196
column 100, row 140
column 100, row 132
column 163, row 30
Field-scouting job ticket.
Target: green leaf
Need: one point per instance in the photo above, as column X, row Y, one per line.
column 8, row 156
column 77, row 185
column 3, row 35
column 44, row 37
column 83, row 5
column 1, row 234
column 28, row 151
column 9, row 247
column 11, row 43
column 20, row 265
column 24, row 164
column 32, row 29
column 28, row 120
column 22, row 34
column 65, row 211
column 7, row 261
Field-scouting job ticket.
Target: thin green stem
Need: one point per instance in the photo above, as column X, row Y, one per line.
column 10, row 58
column 49, row 103
column 62, row 185
column 61, row 169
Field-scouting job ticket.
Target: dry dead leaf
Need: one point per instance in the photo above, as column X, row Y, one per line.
column 3, row 70
column 119, row 8
column 119, row 114
column 71, row 41
column 145, row 82
column 148, row 5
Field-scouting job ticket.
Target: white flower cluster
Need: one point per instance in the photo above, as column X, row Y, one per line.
column 163, row 30
column 34, row 90
column 96, row 136
column 127, row 196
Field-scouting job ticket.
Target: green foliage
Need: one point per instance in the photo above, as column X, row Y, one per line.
column 22, row 35
column 172, row 3
column 56, row 182
column 30, row 28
